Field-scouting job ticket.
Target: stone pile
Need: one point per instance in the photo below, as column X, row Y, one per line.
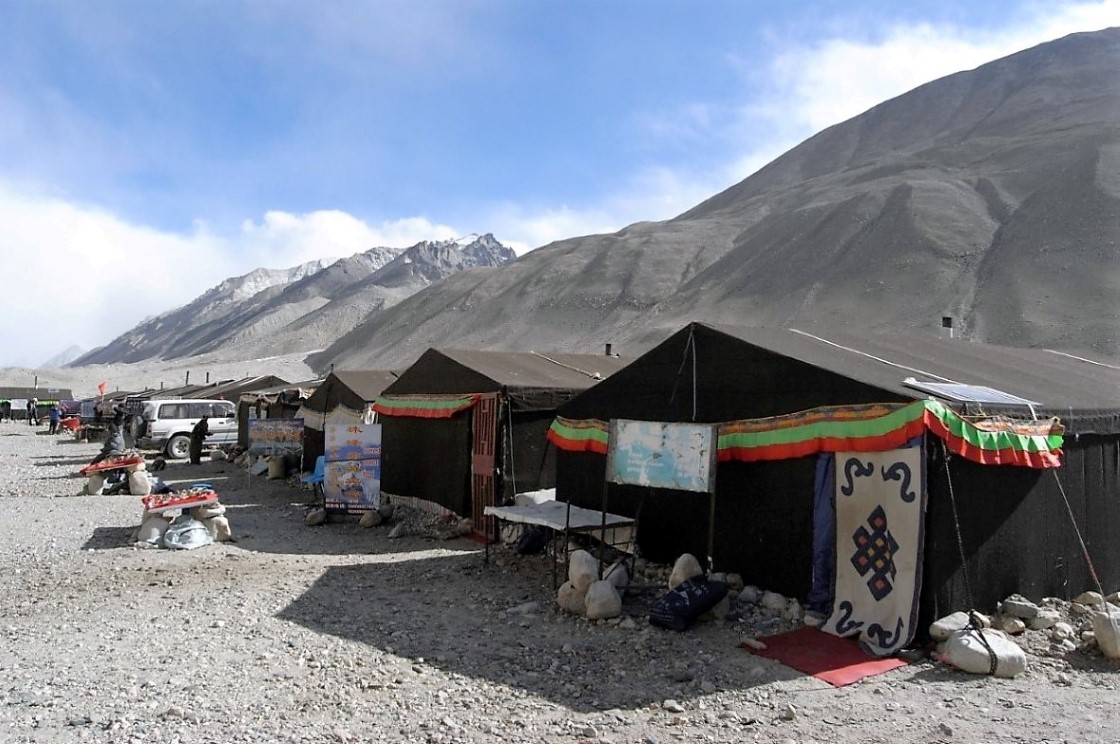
column 1053, row 627
column 586, row 593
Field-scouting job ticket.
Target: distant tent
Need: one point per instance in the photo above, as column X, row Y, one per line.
column 343, row 395
column 465, row 429
column 46, row 396
column 787, row 400
column 277, row 401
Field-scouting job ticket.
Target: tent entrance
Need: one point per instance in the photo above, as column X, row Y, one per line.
column 484, row 439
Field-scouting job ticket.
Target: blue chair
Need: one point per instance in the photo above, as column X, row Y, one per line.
column 316, row 476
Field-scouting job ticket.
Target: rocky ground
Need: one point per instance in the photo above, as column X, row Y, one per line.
column 340, row 634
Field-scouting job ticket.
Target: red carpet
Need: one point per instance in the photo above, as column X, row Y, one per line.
column 837, row 661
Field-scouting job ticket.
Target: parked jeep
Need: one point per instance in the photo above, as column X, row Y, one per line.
column 167, row 424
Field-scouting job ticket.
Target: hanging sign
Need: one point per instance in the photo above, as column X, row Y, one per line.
column 662, row 455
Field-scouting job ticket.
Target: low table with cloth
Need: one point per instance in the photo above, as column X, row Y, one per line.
column 564, row 519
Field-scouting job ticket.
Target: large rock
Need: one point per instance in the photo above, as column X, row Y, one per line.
column 966, row 651
column 773, row 601
column 138, row 483
column 618, row 576
column 1018, row 606
column 370, row 519
column 602, row 601
column 1092, row 599
column 686, row 567
column 583, row 570
column 941, row 629
column 219, row 529
column 1009, row 624
column 750, row 595
column 152, row 529
column 570, row 599
column 1046, row 618
column 1106, row 628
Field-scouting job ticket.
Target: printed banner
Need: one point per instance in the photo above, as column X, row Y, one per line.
column 880, row 521
column 275, row 436
column 352, row 479
column 662, row 455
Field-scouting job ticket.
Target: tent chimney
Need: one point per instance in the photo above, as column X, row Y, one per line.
column 207, row 378
column 607, row 351
column 188, row 380
column 946, row 326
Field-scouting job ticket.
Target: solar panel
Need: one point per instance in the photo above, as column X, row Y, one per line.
column 968, row 393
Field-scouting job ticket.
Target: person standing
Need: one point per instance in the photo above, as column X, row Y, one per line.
column 55, row 415
column 33, row 412
column 200, row 431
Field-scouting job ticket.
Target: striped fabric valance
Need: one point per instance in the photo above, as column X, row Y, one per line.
column 858, row 428
column 424, row 406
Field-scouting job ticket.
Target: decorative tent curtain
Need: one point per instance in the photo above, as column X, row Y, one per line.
column 858, row 428
column 424, row 406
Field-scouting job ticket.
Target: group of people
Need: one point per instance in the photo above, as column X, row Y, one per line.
column 54, row 415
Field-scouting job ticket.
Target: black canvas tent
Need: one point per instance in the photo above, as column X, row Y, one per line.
column 465, row 429
column 1016, row 533
column 342, row 393
column 277, row 401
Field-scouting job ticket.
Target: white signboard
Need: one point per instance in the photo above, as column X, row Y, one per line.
column 662, row 455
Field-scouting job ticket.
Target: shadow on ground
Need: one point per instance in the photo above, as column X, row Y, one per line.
column 463, row 617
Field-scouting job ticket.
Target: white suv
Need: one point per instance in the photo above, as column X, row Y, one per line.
column 167, row 424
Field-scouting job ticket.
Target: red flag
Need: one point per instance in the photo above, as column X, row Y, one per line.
column 101, row 386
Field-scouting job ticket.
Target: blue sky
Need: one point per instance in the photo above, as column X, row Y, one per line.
column 150, row 150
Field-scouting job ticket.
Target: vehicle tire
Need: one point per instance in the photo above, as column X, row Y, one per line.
column 178, row 446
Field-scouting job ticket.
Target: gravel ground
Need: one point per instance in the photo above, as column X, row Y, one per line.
column 340, row 634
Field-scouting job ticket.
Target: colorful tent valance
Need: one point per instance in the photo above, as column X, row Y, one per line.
column 425, row 406
column 858, row 428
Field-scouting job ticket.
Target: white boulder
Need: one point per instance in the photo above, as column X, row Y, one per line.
column 773, row 601
column 1106, row 629
column 583, row 570
column 618, row 576
column 138, row 483
column 570, row 599
column 1046, row 618
column 941, row 629
column 686, row 567
column 966, row 651
column 152, row 529
column 750, row 595
column 602, row 601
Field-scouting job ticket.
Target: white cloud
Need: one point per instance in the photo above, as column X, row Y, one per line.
column 815, row 85
column 79, row 275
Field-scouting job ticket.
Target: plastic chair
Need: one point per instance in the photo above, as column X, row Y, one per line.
column 316, row 476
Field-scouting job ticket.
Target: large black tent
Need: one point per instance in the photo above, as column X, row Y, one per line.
column 463, row 429
column 342, row 395
column 1015, row 529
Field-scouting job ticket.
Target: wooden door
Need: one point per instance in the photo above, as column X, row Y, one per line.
column 484, row 445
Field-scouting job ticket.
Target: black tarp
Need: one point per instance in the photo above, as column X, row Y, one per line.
column 764, row 510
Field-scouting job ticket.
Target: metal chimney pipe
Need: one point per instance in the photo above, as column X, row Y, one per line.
column 947, row 326
column 188, row 380
column 607, row 351
column 207, row 378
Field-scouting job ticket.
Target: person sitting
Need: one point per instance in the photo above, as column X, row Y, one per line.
column 114, row 445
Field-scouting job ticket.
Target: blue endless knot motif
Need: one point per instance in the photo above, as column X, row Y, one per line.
column 875, row 550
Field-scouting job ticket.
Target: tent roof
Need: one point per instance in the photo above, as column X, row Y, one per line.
column 748, row 372
column 42, row 393
column 366, row 383
column 1052, row 379
column 441, row 371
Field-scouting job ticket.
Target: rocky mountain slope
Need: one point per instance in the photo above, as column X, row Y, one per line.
column 267, row 312
column 991, row 196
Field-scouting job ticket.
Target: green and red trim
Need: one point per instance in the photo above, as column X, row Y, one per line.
column 423, row 406
column 872, row 428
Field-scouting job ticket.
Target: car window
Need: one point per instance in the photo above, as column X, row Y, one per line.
column 173, row 411
column 221, row 410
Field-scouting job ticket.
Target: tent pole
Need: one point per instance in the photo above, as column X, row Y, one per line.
column 711, row 530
